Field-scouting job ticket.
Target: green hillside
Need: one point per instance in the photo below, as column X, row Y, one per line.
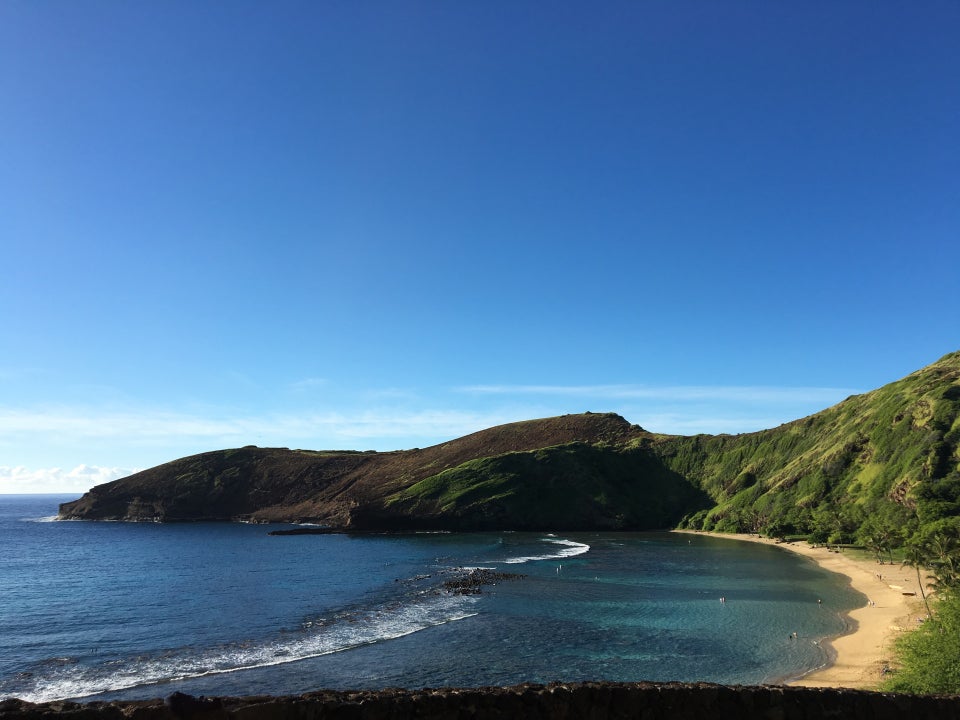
column 888, row 459
column 571, row 486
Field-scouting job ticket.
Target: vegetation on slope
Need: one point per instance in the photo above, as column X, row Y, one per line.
column 929, row 657
column 570, row 486
column 883, row 463
column 219, row 485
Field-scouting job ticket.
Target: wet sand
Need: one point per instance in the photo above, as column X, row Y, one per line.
column 859, row 657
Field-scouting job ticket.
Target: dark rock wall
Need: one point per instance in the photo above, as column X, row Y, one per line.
column 589, row 701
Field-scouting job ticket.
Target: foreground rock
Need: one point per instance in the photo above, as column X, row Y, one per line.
column 559, row 701
column 473, row 581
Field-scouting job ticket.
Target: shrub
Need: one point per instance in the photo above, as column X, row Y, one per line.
column 930, row 655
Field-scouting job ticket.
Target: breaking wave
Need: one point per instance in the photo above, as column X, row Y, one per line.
column 567, row 548
column 62, row 678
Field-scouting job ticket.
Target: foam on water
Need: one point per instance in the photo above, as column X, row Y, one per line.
column 569, row 548
column 62, row 678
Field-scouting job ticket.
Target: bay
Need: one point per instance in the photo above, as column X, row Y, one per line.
column 140, row 610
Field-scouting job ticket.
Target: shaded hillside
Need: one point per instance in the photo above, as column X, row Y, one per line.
column 572, row 486
column 601, row 456
column 888, row 458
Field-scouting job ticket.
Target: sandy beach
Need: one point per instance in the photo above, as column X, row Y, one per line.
column 859, row 656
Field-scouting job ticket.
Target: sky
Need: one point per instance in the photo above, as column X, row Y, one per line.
column 382, row 225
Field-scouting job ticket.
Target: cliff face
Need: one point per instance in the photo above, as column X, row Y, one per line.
column 226, row 485
column 597, row 701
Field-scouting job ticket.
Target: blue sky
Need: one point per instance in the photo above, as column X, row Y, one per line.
column 384, row 225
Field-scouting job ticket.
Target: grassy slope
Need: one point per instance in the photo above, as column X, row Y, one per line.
column 570, row 486
column 892, row 448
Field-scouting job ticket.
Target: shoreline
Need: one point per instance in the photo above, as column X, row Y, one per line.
column 857, row 658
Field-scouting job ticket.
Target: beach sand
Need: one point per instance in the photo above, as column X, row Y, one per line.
column 860, row 656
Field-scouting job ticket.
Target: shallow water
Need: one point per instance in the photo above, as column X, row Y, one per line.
column 117, row 610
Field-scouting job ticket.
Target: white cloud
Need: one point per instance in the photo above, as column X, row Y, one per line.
column 79, row 422
column 308, row 384
column 57, row 480
column 94, row 424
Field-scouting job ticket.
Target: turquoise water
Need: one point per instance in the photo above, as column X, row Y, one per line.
column 116, row 610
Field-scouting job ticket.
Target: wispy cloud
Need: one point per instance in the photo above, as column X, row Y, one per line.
column 307, row 384
column 150, row 437
column 56, row 480
column 82, row 423
column 146, row 424
column 686, row 393
column 433, row 425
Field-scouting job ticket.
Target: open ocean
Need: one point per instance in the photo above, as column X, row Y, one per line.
column 141, row 610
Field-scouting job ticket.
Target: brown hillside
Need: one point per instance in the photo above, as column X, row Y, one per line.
column 277, row 484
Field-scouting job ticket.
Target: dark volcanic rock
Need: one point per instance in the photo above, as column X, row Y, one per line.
column 473, row 581
column 304, row 531
column 557, row 701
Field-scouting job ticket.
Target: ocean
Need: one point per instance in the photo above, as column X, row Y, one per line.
column 102, row 611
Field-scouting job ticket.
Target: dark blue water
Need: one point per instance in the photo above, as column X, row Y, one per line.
column 116, row 610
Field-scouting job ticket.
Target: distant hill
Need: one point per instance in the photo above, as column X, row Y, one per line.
column 575, row 471
column 886, row 458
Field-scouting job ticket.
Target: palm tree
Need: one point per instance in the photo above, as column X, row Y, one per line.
column 884, row 540
column 915, row 556
column 874, row 543
column 945, row 560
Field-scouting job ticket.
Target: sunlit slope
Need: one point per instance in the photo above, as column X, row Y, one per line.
column 892, row 452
